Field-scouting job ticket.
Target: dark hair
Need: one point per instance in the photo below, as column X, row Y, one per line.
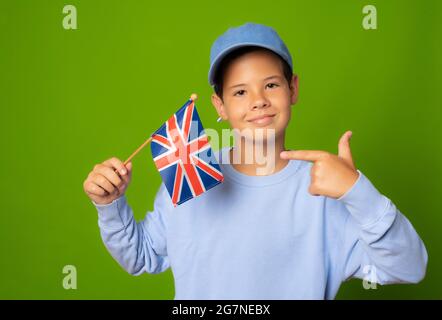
column 221, row 70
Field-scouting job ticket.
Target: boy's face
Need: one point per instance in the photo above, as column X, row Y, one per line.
column 256, row 93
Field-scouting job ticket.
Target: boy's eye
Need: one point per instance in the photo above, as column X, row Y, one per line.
column 272, row 85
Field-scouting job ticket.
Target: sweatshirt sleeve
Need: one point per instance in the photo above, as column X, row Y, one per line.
column 137, row 246
column 379, row 242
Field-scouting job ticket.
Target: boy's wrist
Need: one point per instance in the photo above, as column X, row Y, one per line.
column 103, row 205
column 365, row 203
column 111, row 215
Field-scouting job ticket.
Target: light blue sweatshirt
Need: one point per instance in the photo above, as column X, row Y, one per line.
column 266, row 237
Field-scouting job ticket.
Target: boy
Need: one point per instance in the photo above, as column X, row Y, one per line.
column 294, row 232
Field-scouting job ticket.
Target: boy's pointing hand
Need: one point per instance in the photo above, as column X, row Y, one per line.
column 331, row 175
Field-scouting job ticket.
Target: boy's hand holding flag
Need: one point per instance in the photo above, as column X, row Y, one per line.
column 182, row 155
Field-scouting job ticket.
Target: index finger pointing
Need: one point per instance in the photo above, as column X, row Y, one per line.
column 307, row 155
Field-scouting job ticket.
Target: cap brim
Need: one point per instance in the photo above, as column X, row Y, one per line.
column 218, row 59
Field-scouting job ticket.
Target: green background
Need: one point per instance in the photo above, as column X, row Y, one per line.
column 72, row 98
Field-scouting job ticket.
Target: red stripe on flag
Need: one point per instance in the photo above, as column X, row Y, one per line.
column 208, row 169
column 193, row 178
column 177, row 184
column 161, row 139
column 197, row 144
column 190, row 170
column 187, row 121
column 165, row 161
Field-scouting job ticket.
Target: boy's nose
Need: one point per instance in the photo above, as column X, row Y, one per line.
column 260, row 102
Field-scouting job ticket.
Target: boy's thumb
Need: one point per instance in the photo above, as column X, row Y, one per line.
column 129, row 167
column 127, row 177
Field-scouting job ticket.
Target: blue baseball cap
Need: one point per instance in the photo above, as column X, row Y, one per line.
column 249, row 34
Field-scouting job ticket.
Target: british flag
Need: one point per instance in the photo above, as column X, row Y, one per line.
column 183, row 156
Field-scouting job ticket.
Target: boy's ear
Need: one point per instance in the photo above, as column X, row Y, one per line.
column 219, row 106
column 294, row 85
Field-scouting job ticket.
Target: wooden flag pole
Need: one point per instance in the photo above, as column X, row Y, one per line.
column 138, row 150
column 193, row 97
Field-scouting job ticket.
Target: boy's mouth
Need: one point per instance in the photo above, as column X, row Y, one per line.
column 262, row 120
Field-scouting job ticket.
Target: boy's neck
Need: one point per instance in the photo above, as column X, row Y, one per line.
column 273, row 164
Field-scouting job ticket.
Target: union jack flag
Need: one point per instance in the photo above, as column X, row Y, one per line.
column 183, row 156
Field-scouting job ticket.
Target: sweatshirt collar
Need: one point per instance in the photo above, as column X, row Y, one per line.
column 234, row 175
